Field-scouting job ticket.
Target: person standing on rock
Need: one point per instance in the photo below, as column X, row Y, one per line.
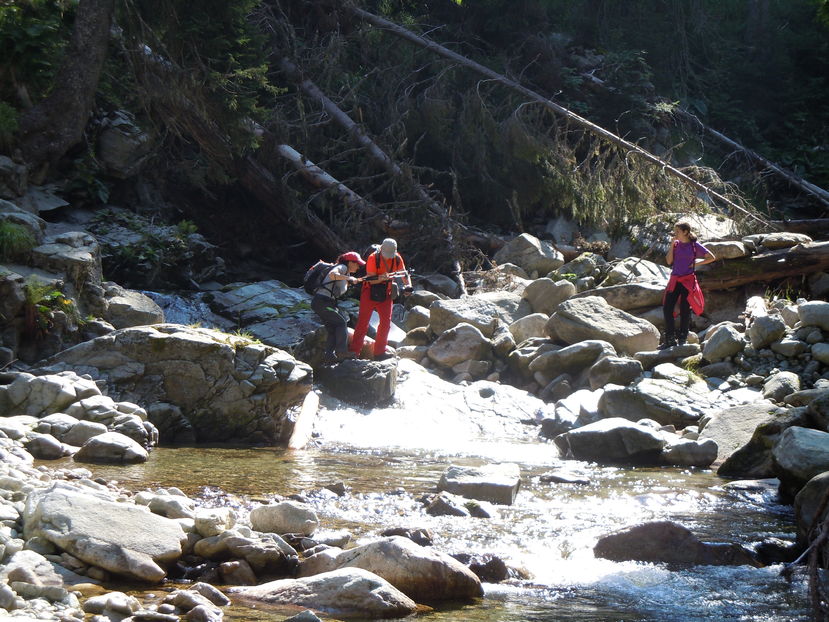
column 376, row 295
column 324, row 304
column 684, row 255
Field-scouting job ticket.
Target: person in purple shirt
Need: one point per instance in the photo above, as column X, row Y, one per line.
column 683, row 254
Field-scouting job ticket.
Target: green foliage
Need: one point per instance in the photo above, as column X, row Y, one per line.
column 42, row 300
column 32, row 36
column 8, row 124
column 86, row 184
column 15, row 240
column 221, row 53
column 186, row 227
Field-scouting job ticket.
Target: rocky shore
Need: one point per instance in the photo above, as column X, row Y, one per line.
column 565, row 351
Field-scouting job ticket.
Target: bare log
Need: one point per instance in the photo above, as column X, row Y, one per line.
column 319, row 178
column 159, row 78
column 386, row 163
column 764, row 267
column 795, row 180
column 810, row 226
column 263, row 185
column 423, row 42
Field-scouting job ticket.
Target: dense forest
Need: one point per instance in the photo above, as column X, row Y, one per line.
column 289, row 129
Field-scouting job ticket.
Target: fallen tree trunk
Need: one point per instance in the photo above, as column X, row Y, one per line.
column 790, row 262
column 263, row 185
column 819, row 193
column 448, row 225
column 318, row 178
column 809, row 226
column 165, row 86
column 423, row 42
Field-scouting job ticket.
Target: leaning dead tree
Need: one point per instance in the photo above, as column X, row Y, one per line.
column 383, row 160
column 319, row 178
column 171, row 93
column 594, row 129
column 795, row 180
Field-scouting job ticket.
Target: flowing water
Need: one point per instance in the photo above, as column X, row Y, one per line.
column 549, row 531
column 390, row 457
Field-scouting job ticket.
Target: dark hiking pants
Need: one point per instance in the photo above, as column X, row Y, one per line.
column 680, row 293
column 335, row 324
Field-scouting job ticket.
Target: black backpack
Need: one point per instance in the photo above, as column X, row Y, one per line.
column 373, row 248
column 316, row 275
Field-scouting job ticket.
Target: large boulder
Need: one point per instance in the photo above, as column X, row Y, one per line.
column 227, row 387
column 360, row 381
column 733, row 428
column 665, row 401
column 345, row 593
column 627, row 296
column 535, row 256
column 126, row 307
column 260, row 308
column 636, row 269
column 544, row 295
column 765, row 330
column 284, row 517
column 799, row 455
column 481, row 311
column 111, row 447
column 814, row 313
column 612, row 441
column 669, row 543
column 123, row 538
column 593, row 318
column 571, row 359
column 724, row 342
column 462, row 342
column 123, row 147
column 423, row 574
column 529, row 327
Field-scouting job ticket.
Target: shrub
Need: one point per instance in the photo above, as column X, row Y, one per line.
column 15, row 240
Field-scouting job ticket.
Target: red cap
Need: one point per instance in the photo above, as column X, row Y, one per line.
column 352, row 256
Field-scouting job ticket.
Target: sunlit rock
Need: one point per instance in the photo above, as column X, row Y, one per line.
column 480, row 311
column 536, row 257
column 611, row 441
column 593, row 318
column 799, row 455
column 498, row 483
column 545, row 294
column 123, row 538
column 629, row 296
column 111, row 447
column 421, row 573
column 228, row 387
column 348, row 592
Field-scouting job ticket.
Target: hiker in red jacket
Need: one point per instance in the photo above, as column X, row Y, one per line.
column 376, row 295
column 682, row 256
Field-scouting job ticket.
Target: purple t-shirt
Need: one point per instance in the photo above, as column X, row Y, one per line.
column 685, row 254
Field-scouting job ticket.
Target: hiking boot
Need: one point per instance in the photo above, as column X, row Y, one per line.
column 348, row 354
column 330, row 359
column 669, row 343
column 681, row 341
column 385, row 356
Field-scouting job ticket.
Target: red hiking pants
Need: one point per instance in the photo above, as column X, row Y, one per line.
column 367, row 306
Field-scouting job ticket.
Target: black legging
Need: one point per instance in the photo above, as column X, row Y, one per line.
column 335, row 324
column 680, row 292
